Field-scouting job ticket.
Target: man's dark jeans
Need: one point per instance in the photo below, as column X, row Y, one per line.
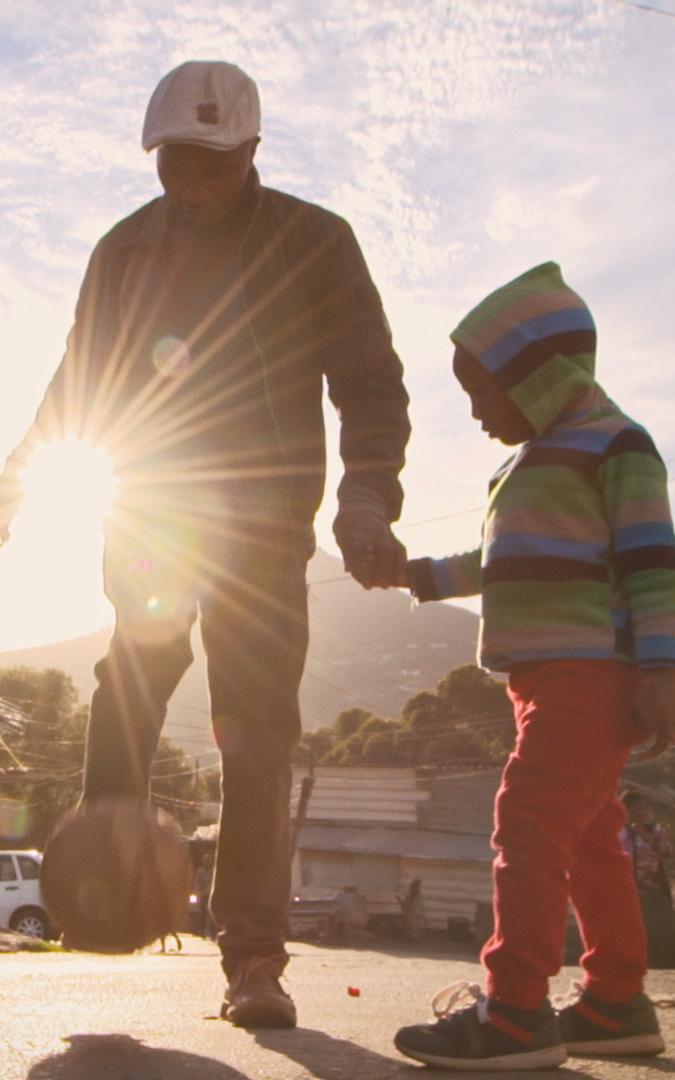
column 251, row 598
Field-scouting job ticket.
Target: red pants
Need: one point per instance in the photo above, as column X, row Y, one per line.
column 557, row 819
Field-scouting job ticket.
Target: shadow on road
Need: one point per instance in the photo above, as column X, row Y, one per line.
column 102, row 1057
column 655, row 1064
column 327, row 1058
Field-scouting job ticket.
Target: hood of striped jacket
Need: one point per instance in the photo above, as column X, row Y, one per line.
column 537, row 338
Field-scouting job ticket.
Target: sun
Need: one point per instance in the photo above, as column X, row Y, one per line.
column 70, row 484
column 50, row 571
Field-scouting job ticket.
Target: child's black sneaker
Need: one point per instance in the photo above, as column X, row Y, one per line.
column 590, row 1026
column 487, row 1035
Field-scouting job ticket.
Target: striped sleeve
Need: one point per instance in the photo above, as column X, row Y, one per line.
column 635, row 492
column 442, row 579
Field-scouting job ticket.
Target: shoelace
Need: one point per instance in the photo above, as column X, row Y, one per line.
column 450, row 997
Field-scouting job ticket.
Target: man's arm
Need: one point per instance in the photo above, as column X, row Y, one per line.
column 66, row 404
column 365, row 383
column 43, row 429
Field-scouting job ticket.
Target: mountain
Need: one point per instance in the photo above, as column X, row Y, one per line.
column 371, row 649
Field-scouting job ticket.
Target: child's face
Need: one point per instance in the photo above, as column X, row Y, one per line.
column 498, row 416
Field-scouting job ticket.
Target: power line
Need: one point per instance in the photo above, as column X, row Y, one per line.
column 442, row 517
column 646, row 7
column 158, row 797
column 342, row 691
column 186, row 772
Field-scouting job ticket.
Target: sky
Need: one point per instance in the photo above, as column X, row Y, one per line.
column 464, row 140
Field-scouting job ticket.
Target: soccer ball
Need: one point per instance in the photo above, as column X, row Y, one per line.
column 116, row 875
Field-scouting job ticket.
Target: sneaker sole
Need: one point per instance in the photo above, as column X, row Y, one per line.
column 631, row 1044
column 547, row 1058
column 260, row 1014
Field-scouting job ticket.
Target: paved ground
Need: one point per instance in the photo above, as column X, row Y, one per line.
column 68, row 1016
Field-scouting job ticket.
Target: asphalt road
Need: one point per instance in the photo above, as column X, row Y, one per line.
column 69, row 1016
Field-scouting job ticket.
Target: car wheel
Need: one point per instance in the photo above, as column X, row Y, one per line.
column 30, row 921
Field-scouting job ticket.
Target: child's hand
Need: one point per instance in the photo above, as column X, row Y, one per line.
column 654, row 708
column 371, row 552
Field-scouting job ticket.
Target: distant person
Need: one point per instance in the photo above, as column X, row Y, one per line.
column 207, row 324
column 203, row 885
column 649, row 846
column 174, row 935
column 412, row 923
column 577, row 577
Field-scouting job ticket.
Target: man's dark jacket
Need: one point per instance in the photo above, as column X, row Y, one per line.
column 311, row 310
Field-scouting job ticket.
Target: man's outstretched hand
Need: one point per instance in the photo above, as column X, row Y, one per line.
column 654, row 709
column 370, row 551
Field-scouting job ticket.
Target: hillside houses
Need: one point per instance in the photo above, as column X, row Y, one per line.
column 378, row 830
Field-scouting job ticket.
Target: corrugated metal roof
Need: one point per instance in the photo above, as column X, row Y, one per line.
column 364, row 794
column 462, row 802
column 405, row 843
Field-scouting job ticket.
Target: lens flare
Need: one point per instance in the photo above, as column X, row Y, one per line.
column 70, row 481
column 171, row 356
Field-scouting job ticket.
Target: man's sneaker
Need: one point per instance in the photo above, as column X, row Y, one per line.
column 488, row 1035
column 254, row 997
column 590, row 1026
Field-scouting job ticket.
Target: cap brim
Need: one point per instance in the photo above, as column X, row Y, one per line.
column 182, row 141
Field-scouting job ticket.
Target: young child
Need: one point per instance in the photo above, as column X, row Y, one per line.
column 577, row 576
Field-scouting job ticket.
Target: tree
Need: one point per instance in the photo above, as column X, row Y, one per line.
column 346, row 751
column 472, row 692
column 380, row 748
column 174, row 785
column 313, row 747
column 467, row 718
column 348, row 722
column 43, row 762
column 420, row 711
column 471, row 696
column 351, row 750
column 41, row 756
column 374, row 725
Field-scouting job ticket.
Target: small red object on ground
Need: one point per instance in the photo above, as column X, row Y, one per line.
column 353, row 991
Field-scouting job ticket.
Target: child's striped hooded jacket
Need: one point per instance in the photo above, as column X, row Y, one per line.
column 578, row 551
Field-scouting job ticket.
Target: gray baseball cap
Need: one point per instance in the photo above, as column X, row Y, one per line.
column 204, row 102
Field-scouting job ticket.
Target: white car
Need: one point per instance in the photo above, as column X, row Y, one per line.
column 21, row 905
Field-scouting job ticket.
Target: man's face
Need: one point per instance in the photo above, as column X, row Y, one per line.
column 498, row 416
column 204, row 185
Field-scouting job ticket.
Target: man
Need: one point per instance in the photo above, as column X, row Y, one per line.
column 205, row 325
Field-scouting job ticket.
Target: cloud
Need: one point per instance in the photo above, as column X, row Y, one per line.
column 463, row 140
column 510, row 214
column 363, row 105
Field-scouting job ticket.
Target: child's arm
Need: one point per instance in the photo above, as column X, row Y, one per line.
column 441, row 579
column 654, row 707
column 636, row 500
